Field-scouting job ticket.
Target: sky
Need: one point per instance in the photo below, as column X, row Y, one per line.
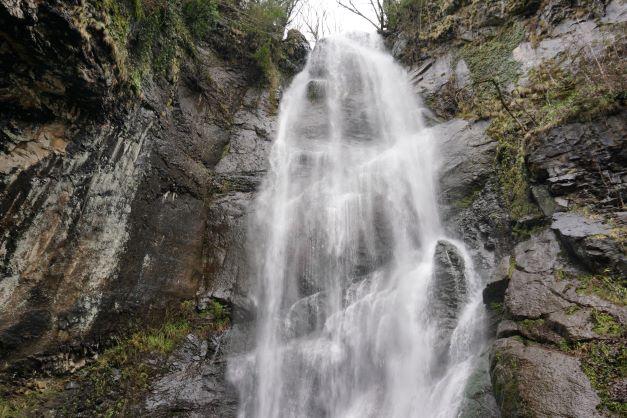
column 342, row 19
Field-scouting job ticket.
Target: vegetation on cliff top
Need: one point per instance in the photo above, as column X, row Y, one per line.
column 152, row 36
column 554, row 96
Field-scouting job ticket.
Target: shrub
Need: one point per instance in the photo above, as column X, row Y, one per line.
column 200, row 16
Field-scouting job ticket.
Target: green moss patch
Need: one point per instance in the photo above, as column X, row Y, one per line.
column 554, row 97
column 151, row 37
column 605, row 364
column 610, row 288
column 506, row 386
column 492, row 66
column 605, row 324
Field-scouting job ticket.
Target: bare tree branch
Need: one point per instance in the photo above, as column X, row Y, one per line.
column 316, row 21
column 351, row 7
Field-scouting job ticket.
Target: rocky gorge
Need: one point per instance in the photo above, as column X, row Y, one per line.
column 133, row 141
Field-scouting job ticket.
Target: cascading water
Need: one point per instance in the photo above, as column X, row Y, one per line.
column 351, row 318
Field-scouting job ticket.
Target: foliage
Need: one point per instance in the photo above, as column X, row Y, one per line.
column 27, row 399
column 492, row 67
column 265, row 62
column 220, row 314
column 605, row 324
column 606, row 287
column 521, row 231
column 605, row 364
column 200, row 16
column 419, row 14
column 572, row 309
column 151, row 37
column 466, row 201
column 497, row 308
column 505, row 383
column 554, row 96
column 266, row 18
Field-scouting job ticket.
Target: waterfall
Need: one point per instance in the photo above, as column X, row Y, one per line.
column 364, row 307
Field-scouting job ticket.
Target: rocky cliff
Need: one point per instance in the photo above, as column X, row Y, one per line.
column 132, row 136
column 529, row 99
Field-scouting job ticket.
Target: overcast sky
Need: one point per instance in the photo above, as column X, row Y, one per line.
column 343, row 20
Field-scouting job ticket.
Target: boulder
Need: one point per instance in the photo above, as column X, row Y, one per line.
column 538, row 254
column 449, row 285
column 534, row 381
column 479, row 400
column 296, row 50
column 574, row 325
column 589, row 240
column 447, row 293
column 532, row 296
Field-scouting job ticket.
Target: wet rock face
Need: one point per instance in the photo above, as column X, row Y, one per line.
column 297, row 49
column 111, row 215
column 544, row 272
column 584, row 162
column 470, row 199
column 450, row 280
column 53, row 63
column 194, row 384
column 64, row 227
column 447, row 294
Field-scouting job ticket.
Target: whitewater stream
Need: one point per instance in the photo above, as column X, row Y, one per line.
column 351, row 319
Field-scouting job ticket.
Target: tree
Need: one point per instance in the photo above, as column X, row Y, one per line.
column 292, row 9
column 379, row 7
column 316, row 22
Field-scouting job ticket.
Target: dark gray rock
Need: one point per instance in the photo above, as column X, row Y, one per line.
column 116, row 211
column 532, row 296
column 539, row 331
column 544, row 200
column 531, row 380
column 494, row 291
column 296, row 50
column 448, row 292
column 467, row 154
column 589, row 240
column 574, row 326
column 573, row 226
column 449, row 283
column 570, row 291
column 507, row 329
column 538, row 254
column 471, row 203
column 72, row 386
column 583, row 162
column 194, row 386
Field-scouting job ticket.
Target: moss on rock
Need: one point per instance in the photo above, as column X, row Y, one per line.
column 121, row 374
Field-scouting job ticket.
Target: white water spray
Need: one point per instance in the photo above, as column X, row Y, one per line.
column 345, row 229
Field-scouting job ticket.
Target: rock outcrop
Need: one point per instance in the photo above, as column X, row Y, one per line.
column 123, row 193
column 534, row 188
